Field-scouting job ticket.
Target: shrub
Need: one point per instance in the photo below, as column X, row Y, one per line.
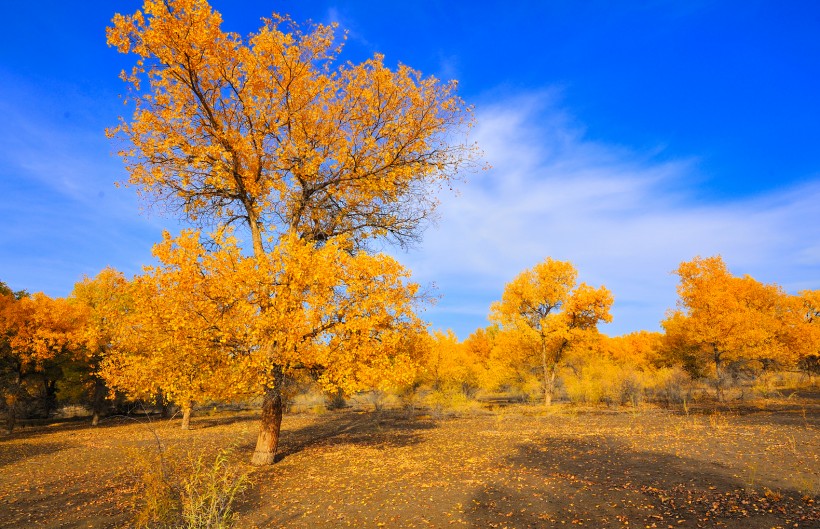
column 189, row 493
column 669, row 385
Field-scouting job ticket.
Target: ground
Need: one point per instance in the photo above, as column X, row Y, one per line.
column 751, row 466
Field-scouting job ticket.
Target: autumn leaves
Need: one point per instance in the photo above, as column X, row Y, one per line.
column 295, row 167
column 310, row 159
column 546, row 308
column 723, row 319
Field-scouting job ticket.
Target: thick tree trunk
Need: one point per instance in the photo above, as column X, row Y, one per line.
column 269, row 427
column 186, row 415
column 51, row 396
column 550, row 389
column 100, row 392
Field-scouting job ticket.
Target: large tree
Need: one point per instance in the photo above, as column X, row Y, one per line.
column 724, row 318
column 549, row 313
column 271, row 133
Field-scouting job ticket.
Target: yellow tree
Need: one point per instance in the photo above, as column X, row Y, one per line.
column 544, row 306
column 270, row 132
column 103, row 302
column 216, row 325
column 640, row 349
column 37, row 332
column 804, row 333
column 163, row 336
column 451, row 365
column 727, row 318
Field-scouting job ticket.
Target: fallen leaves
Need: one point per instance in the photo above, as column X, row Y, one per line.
column 347, row 469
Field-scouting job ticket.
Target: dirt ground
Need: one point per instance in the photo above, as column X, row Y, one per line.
column 755, row 466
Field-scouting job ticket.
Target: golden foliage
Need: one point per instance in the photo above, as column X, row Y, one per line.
column 271, row 131
column 547, row 314
column 724, row 318
column 214, row 324
column 38, row 328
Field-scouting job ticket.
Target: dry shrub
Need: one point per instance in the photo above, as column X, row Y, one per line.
column 765, row 385
column 669, row 385
column 531, row 387
column 454, row 402
column 595, row 380
column 187, row 493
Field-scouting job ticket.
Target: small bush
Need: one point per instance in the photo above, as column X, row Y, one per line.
column 446, row 403
column 669, row 386
column 189, row 493
column 208, row 493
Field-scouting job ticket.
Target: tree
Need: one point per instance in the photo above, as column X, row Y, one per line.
column 164, row 337
column 450, row 365
column 639, row 349
column 270, row 133
column 805, row 332
column 103, row 301
column 725, row 318
column 544, row 306
column 217, row 325
column 37, row 333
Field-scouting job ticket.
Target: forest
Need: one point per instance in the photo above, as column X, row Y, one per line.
column 170, row 338
column 277, row 307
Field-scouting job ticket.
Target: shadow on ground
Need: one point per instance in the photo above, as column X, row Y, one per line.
column 600, row 483
column 384, row 428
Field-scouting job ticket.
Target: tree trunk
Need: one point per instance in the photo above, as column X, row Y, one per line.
column 162, row 402
column 186, row 415
column 11, row 413
column 718, row 375
column 100, row 392
column 12, row 396
column 547, row 384
column 269, row 427
column 51, row 396
column 550, row 389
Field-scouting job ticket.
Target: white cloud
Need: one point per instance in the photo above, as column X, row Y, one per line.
column 624, row 218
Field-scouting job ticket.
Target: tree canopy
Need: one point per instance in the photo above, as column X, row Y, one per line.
column 314, row 158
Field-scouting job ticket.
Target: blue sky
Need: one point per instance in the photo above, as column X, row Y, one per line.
column 625, row 137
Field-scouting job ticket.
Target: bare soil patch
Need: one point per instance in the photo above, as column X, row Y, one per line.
column 521, row 466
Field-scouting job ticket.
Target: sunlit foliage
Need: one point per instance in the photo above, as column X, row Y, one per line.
column 548, row 313
column 723, row 318
column 271, row 133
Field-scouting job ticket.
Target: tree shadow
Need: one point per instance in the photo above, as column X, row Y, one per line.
column 20, row 452
column 203, row 422
column 387, row 428
column 382, row 429
column 573, row 481
column 97, row 502
column 30, row 429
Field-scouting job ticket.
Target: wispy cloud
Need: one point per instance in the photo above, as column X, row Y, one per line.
column 62, row 216
column 626, row 219
column 347, row 26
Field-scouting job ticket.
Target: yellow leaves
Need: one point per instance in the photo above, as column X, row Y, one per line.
column 543, row 314
column 214, row 324
column 38, row 328
column 270, row 129
column 639, row 349
column 728, row 317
